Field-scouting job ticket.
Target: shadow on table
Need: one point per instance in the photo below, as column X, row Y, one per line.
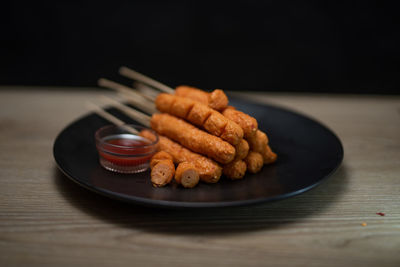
column 213, row 220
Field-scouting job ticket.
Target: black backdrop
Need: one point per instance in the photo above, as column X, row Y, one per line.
column 319, row 46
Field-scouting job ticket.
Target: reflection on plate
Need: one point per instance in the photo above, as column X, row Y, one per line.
column 307, row 151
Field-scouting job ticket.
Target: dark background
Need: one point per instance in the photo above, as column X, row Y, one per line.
column 314, row 46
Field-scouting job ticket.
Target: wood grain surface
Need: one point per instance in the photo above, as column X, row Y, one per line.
column 47, row 220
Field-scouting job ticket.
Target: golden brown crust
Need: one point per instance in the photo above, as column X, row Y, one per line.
column 248, row 123
column 232, row 133
column 187, row 175
column 200, row 115
column 148, row 134
column 193, row 138
column 192, row 93
column 235, row 170
column 242, row 149
column 180, row 107
column 269, row 156
column 258, row 142
column 161, row 155
column 254, row 162
column 215, row 123
column 217, row 100
column 162, row 173
column 209, row 170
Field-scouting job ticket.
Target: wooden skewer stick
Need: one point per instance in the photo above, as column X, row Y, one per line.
column 140, row 117
column 146, row 90
column 135, row 114
column 144, row 104
column 124, row 71
column 102, row 113
column 121, row 88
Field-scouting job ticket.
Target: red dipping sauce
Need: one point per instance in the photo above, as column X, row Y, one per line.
column 122, row 151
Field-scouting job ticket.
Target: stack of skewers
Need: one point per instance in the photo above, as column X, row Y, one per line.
column 197, row 130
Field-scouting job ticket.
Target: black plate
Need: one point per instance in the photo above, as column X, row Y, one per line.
column 307, row 151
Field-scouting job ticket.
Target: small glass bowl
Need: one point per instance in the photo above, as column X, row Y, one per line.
column 121, row 149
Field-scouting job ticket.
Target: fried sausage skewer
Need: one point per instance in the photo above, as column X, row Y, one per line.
column 258, row 142
column 159, row 156
column 242, row 149
column 193, row 138
column 254, row 162
column 235, row 170
column 162, row 173
column 209, row 170
column 200, row 115
column 187, row 174
column 248, row 123
column 216, row 99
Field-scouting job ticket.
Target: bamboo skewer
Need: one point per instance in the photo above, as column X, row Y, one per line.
column 131, row 112
column 104, row 114
column 129, row 73
column 146, row 90
column 139, row 116
column 121, row 88
column 144, row 104
column 141, row 101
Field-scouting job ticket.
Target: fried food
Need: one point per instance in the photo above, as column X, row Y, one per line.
column 200, row 115
column 161, row 155
column 250, row 153
column 209, row 170
column 258, row 142
column 187, row 174
column 217, row 99
column 269, row 156
column 162, row 173
column 235, row 170
column 242, row 149
column 248, row 123
column 193, row 138
column 254, row 162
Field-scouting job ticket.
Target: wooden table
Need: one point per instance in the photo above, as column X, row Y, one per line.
column 47, row 220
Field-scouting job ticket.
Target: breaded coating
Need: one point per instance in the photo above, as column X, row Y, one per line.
column 242, row 149
column 162, row 173
column 187, row 175
column 248, row 123
column 215, row 123
column 209, row 170
column 254, row 162
column 192, row 93
column 269, row 156
column 193, row 138
column 200, row 115
column 217, row 100
column 235, row 170
column 232, row 133
column 258, row 142
column 161, row 155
